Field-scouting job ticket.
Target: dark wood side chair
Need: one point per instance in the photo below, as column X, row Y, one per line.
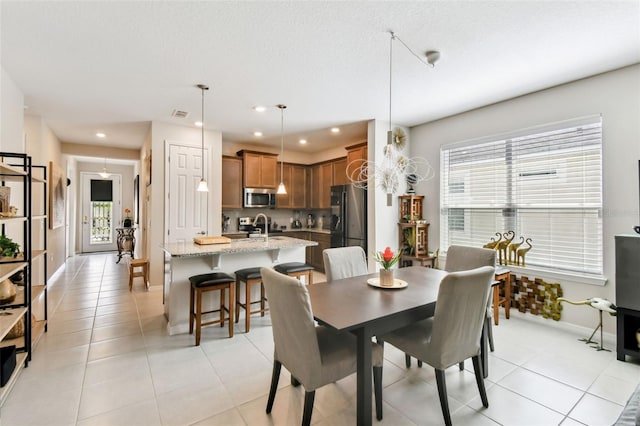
column 250, row 277
column 211, row 282
column 297, row 270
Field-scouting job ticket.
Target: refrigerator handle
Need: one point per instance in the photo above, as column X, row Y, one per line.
column 344, row 214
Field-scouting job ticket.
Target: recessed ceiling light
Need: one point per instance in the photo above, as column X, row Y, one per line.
column 260, row 108
column 198, row 123
column 335, row 130
column 257, row 134
column 302, row 141
column 101, row 135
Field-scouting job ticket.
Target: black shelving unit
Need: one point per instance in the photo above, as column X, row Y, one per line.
column 16, row 172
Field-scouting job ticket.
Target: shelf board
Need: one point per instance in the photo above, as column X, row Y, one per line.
column 37, row 331
column 36, row 291
column 7, row 172
column 8, row 269
column 5, row 219
column 4, row 391
column 37, row 179
column 9, row 318
column 39, row 217
column 37, row 253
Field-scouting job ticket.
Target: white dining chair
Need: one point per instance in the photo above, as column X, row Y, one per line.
column 453, row 333
column 463, row 258
column 344, row 262
column 315, row 355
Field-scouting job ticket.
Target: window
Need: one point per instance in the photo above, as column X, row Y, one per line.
column 542, row 183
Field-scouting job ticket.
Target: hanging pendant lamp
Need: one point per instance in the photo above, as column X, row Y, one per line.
column 281, row 188
column 104, row 174
column 202, row 186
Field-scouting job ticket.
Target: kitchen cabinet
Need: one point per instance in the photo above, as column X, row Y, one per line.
column 231, row 183
column 295, row 180
column 321, row 181
column 324, row 242
column 259, row 169
column 356, row 156
column 28, row 311
column 339, row 167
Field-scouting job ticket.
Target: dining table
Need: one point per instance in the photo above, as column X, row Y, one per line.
column 355, row 305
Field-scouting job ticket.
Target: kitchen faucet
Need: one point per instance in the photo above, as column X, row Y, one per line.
column 266, row 225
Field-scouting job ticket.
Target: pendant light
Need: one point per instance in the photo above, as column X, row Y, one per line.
column 104, row 174
column 281, row 187
column 202, row 186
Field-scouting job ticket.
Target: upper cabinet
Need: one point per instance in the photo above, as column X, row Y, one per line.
column 232, row 183
column 356, row 156
column 295, row 180
column 260, row 169
column 340, row 171
column 321, row 181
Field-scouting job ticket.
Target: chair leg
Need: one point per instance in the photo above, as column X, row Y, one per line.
column 262, row 299
column 237, row 300
column 407, row 360
column 419, row 364
column 489, row 333
column 191, row 302
column 198, row 315
column 461, row 365
column 232, row 305
column 442, row 392
column 294, row 382
column 308, row 407
column 221, row 307
column 477, row 368
column 247, row 304
column 275, row 378
column 377, row 390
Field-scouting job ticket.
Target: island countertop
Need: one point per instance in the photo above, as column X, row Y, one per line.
column 245, row 245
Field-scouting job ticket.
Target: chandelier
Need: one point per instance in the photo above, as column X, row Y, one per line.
column 394, row 165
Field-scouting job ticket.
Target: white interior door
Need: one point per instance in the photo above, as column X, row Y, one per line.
column 187, row 207
column 101, row 212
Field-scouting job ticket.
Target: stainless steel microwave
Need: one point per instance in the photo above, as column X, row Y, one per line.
column 259, row 197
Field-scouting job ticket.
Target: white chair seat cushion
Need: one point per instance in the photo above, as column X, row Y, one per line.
column 413, row 339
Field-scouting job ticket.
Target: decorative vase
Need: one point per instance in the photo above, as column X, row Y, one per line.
column 127, row 223
column 386, row 277
column 7, row 292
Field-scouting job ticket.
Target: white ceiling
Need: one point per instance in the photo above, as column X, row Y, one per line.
column 88, row 66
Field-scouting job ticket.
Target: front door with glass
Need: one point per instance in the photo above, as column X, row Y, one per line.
column 100, row 212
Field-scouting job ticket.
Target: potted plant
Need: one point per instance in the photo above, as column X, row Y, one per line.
column 127, row 218
column 387, row 259
column 8, row 247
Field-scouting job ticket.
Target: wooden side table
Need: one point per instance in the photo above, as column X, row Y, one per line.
column 126, row 241
column 502, row 274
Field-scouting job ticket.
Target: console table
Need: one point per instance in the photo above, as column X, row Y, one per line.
column 126, row 241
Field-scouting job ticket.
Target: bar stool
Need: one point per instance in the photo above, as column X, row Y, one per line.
column 296, row 269
column 144, row 273
column 209, row 282
column 249, row 276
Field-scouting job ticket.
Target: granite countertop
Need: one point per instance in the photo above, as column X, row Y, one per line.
column 245, row 245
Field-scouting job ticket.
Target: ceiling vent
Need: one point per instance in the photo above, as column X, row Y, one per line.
column 179, row 114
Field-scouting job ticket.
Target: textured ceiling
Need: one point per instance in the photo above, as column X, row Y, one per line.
column 88, row 66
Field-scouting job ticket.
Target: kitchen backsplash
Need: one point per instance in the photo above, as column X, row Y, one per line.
column 281, row 217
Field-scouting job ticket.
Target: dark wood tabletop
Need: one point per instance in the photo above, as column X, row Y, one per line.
column 366, row 311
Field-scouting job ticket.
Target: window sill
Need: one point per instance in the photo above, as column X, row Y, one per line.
column 558, row 276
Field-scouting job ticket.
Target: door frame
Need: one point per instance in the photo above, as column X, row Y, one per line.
column 117, row 207
column 167, row 184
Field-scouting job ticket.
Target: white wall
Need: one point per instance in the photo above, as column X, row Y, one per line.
column 160, row 133
column 615, row 95
column 11, row 115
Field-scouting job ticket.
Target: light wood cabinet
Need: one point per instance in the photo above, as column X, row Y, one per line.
column 259, row 169
column 231, row 183
column 321, row 181
column 295, row 180
column 356, row 156
column 340, row 171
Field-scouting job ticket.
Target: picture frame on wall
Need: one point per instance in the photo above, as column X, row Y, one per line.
column 57, row 189
column 136, row 199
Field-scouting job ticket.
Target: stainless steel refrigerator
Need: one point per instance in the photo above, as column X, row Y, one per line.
column 348, row 216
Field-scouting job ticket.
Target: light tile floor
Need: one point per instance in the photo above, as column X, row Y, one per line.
column 107, row 360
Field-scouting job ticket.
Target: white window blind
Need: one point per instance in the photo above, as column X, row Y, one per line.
column 542, row 183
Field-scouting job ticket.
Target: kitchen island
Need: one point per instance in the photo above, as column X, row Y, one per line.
column 187, row 259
